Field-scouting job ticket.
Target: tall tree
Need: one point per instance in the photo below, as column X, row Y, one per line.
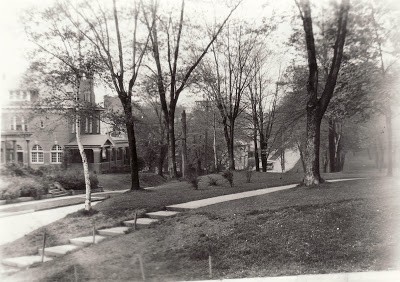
column 121, row 61
column 318, row 102
column 174, row 82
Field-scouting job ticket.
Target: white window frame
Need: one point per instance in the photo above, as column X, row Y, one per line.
column 56, row 154
column 37, row 154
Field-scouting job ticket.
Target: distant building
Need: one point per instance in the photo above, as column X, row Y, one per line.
column 33, row 139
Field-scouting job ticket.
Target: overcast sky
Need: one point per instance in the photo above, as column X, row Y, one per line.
column 14, row 43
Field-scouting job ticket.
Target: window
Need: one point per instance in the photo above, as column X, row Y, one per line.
column 18, row 123
column 86, row 125
column 13, row 123
column 90, row 126
column 56, row 154
column 37, row 154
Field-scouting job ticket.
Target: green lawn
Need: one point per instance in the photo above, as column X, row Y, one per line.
column 344, row 226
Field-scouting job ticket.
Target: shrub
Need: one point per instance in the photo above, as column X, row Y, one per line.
column 249, row 173
column 212, row 181
column 9, row 191
column 228, row 175
column 194, row 180
column 74, row 179
column 32, row 188
column 12, row 169
column 22, row 187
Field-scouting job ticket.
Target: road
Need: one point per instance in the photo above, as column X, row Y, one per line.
column 16, row 226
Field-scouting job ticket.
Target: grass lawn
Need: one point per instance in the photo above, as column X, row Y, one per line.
column 281, row 233
column 122, row 181
column 336, row 227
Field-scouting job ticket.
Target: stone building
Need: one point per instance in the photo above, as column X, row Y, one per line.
column 47, row 137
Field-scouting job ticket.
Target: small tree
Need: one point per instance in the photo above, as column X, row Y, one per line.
column 61, row 61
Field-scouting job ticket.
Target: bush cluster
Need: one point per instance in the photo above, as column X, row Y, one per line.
column 14, row 187
column 18, row 181
column 228, row 175
column 74, row 179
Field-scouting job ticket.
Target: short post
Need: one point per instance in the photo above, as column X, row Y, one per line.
column 75, row 274
column 141, row 267
column 94, row 232
column 44, row 245
column 134, row 221
column 210, row 266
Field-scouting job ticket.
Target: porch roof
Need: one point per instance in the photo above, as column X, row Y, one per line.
column 93, row 140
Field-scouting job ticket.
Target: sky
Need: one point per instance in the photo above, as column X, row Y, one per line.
column 14, row 44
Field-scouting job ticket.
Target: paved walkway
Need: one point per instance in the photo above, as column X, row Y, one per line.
column 371, row 276
column 220, row 199
column 14, row 227
column 230, row 197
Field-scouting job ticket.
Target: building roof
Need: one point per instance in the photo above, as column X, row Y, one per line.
column 93, row 140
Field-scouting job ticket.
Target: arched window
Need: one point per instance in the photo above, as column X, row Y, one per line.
column 56, row 154
column 37, row 154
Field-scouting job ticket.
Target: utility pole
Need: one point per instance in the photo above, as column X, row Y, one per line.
column 184, row 145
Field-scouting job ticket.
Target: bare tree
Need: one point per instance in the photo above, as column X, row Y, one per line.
column 227, row 76
column 96, row 28
column 174, row 80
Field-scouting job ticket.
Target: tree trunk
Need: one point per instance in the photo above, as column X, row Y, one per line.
column 88, row 196
column 263, row 145
column 133, row 160
column 388, row 118
column 215, row 145
column 326, row 162
column 303, row 164
column 331, row 145
column 161, row 158
column 311, row 159
column 256, row 158
column 172, row 146
column 184, row 146
column 231, row 146
column 282, row 160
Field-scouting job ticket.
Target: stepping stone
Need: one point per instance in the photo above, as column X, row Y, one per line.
column 24, row 262
column 58, row 251
column 114, row 231
column 86, row 241
column 161, row 214
column 141, row 222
